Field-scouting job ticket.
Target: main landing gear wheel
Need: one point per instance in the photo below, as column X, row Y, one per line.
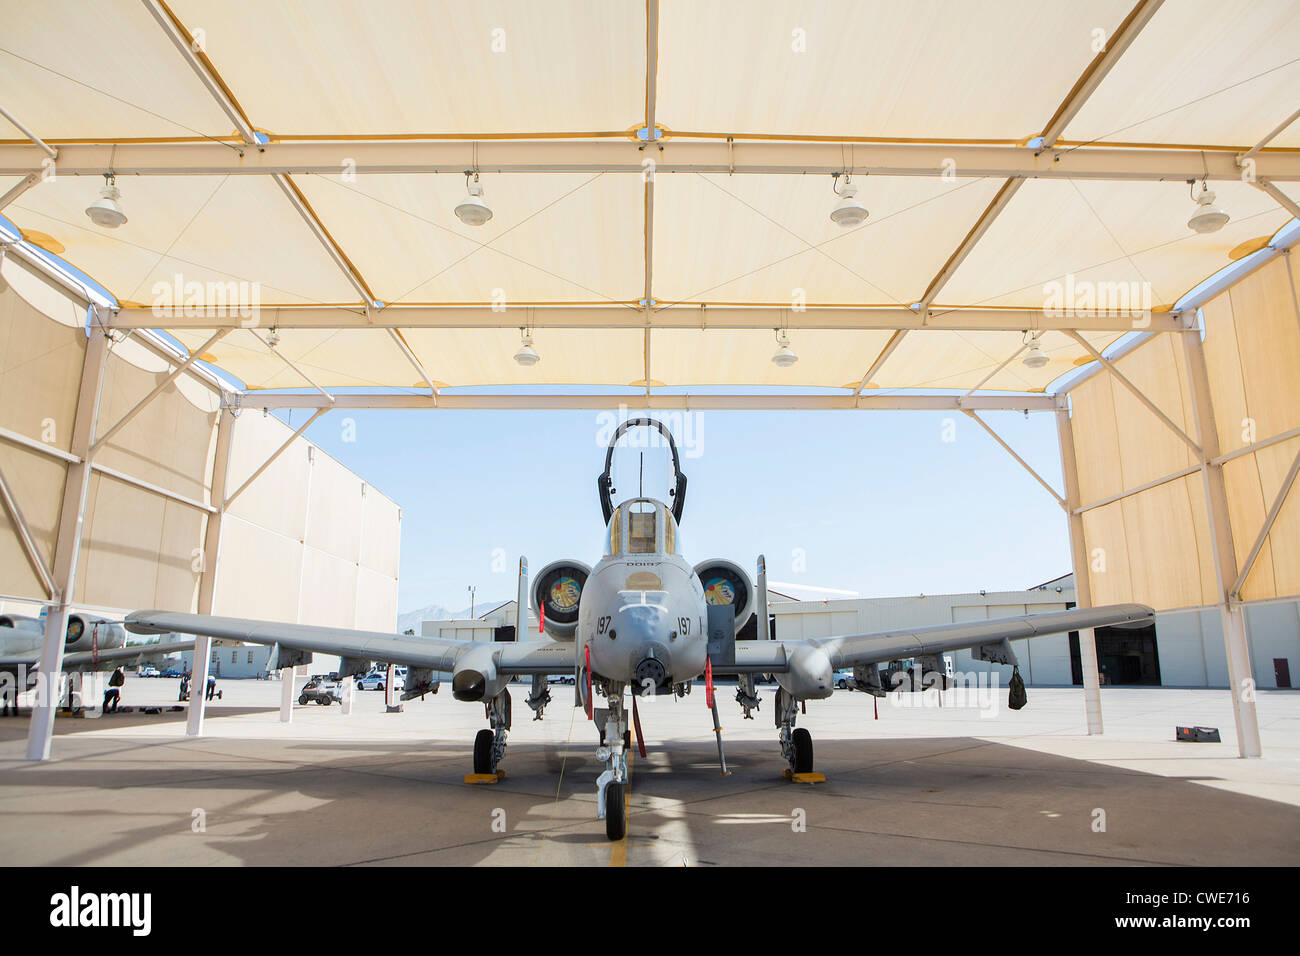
column 483, row 741
column 615, row 812
column 803, row 750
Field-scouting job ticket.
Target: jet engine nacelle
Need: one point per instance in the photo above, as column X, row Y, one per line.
column 557, row 593
column 475, row 676
column 83, row 633
column 808, row 674
column 726, row 583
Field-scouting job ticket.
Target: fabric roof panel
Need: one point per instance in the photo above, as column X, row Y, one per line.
column 758, row 238
column 555, row 237
column 99, row 68
column 411, row 66
column 926, row 68
column 1213, row 72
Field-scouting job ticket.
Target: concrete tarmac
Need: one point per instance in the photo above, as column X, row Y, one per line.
column 920, row 784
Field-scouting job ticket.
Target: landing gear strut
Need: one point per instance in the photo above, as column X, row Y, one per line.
column 490, row 745
column 612, row 783
column 796, row 744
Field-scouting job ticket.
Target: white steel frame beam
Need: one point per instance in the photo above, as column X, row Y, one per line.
column 208, row 575
column 407, row 156
column 1138, row 394
column 38, row 446
column 1236, row 643
column 327, row 241
column 1276, row 132
column 1184, row 473
column 225, row 506
column 36, row 141
column 162, row 386
column 1012, row 452
column 1082, row 582
column 17, row 189
column 415, row 362
column 285, row 359
column 894, row 342
column 1281, row 198
column 52, row 452
column 450, row 402
column 202, row 67
column 25, row 537
column 67, row 548
column 632, row 316
column 1234, row 593
column 648, row 175
column 149, row 486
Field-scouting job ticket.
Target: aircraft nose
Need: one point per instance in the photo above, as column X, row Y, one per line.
column 638, row 623
column 639, row 630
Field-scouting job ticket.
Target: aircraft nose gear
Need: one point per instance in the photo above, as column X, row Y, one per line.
column 490, row 745
column 611, row 784
column 540, row 697
column 747, row 695
column 796, row 745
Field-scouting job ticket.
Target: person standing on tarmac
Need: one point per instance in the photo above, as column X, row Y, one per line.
column 113, row 695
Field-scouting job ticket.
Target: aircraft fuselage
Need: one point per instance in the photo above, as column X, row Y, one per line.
column 643, row 618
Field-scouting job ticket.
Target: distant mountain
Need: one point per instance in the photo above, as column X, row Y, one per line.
column 436, row 612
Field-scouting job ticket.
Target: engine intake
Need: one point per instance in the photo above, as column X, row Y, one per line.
column 726, row 583
column 557, row 594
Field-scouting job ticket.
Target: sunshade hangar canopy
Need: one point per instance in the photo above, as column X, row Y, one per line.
column 290, row 173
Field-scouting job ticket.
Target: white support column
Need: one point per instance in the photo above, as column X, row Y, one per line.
column 1236, row 644
column 286, row 695
column 392, row 705
column 67, row 548
column 1082, row 584
column 208, row 580
column 349, row 689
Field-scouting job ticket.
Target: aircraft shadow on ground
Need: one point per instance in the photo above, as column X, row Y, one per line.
column 940, row 801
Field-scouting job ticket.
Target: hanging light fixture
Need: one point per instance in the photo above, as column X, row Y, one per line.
column 1035, row 357
column 105, row 211
column 473, row 210
column 848, row 211
column 1208, row 217
column 784, row 356
column 527, row 355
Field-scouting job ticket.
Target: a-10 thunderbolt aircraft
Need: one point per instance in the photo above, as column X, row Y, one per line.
column 643, row 619
column 90, row 644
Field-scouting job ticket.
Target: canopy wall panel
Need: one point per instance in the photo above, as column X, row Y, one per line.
column 1252, row 349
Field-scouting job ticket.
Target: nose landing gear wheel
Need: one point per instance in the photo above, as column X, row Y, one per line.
column 615, row 812
column 803, row 750
column 483, row 751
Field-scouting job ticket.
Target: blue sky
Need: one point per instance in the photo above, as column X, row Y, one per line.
column 879, row 503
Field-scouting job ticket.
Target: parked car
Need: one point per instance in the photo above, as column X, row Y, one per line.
column 376, row 680
column 172, row 672
column 561, row 679
column 843, row 679
column 147, row 670
column 322, row 689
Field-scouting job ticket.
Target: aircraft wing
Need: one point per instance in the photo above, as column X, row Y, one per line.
column 857, row 649
column 85, row 660
column 439, row 654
